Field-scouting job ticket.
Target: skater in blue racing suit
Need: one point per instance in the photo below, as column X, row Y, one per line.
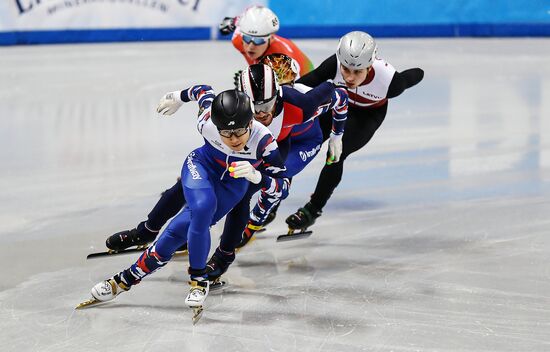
column 214, row 179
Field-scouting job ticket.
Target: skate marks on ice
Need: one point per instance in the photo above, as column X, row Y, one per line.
column 430, row 280
column 155, row 311
column 390, row 282
column 255, row 303
column 42, row 310
column 450, row 255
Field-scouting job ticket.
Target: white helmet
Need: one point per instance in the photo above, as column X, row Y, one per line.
column 356, row 50
column 258, row 21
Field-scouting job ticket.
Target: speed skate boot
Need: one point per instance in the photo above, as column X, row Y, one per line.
column 139, row 236
column 303, row 218
column 105, row 291
column 218, row 264
column 197, row 293
column 247, row 234
column 109, row 289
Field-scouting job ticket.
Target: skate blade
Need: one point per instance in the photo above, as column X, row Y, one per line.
column 247, row 244
column 290, row 236
column 217, row 285
column 197, row 314
column 88, row 303
column 113, row 252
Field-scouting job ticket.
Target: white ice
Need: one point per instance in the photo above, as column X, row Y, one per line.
column 436, row 240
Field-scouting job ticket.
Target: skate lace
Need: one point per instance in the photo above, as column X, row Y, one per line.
column 106, row 288
column 197, row 293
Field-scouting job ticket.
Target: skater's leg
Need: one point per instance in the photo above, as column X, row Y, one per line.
column 207, row 201
column 152, row 259
column 236, row 221
column 160, row 253
column 268, row 200
column 219, row 263
column 169, row 204
column 304, row 147
column 202, row 203
column 359, row 131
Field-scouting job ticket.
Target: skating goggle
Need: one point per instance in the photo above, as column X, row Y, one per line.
column 256, row 40
column 265, row 105
column 238, row 132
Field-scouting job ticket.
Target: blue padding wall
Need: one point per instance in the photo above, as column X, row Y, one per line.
column 308, row 19
column 424, row 18
column 104, row 35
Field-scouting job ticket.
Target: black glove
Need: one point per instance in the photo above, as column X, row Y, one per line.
column 237, row 79
column 227, row 26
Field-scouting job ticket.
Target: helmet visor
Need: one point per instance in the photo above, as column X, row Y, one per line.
column 265, row 105
column 256, row 40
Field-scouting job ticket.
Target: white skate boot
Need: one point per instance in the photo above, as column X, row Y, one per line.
column 108, row 290
column 197, row 295
column 105, row 291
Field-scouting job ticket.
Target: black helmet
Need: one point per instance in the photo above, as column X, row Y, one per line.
column 259, row 82
column 231, row 109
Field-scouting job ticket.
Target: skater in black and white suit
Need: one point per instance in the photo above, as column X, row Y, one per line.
column 370, row 82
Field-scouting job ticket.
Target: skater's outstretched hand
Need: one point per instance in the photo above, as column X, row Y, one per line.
column 228, row 25
column 246, row 170
column 170, row 103
column 334, row 148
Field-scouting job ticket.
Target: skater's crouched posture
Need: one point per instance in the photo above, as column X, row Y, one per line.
column 370, row 82
column 214, row 178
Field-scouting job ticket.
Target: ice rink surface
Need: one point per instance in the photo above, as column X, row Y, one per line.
column 436, row 240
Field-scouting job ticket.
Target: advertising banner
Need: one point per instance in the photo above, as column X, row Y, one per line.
column 74, row 21
column 24, row 15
